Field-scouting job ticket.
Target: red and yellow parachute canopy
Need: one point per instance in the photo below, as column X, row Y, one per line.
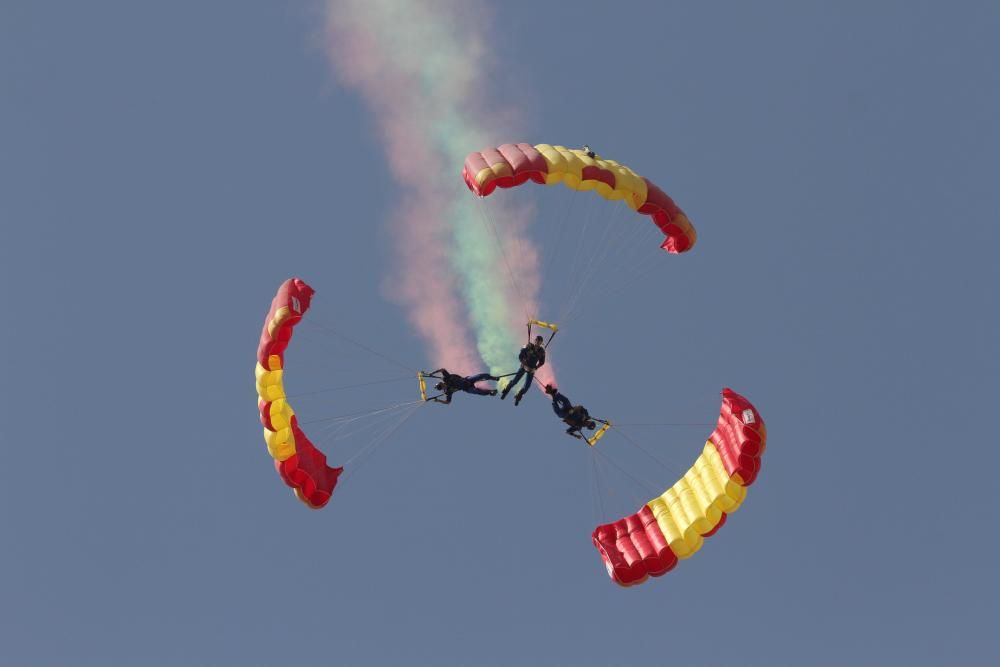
column 511, row 165
column 674, row 525
column 300, row 464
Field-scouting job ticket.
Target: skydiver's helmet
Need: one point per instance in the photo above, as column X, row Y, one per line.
column 550, row 390
column 440, row 386
column 539, row 340
column 591, row 425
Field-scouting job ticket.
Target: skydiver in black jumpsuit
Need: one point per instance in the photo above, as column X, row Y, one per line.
column 576, row 416
column 452, row 382
column 532, row 357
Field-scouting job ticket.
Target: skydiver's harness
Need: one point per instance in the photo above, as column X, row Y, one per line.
column 455, row 383
column 577, row 416
column 530, row 358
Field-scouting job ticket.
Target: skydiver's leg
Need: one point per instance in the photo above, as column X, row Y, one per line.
column 510, row 385
column 560, row 405
column 525, row 388
column 473, row 389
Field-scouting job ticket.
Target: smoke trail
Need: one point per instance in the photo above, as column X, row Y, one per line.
column 421, row 67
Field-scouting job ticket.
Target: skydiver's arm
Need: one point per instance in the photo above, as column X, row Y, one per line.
column 447, row 398
column 440, row 370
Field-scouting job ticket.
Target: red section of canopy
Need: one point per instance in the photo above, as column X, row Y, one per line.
column 634, row 548
column 592, row 173
column 265, row 414
column 740, row 436
column 512, row 164
column 296, row 295
column 669, row 218
column 306, row 471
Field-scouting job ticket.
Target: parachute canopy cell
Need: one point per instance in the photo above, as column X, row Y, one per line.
column 674, row 525
column 511, row 165
column 301, row 465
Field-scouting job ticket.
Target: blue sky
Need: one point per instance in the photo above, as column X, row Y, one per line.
column 164, row 166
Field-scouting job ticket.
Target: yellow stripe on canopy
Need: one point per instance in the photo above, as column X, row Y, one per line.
column 694, row 505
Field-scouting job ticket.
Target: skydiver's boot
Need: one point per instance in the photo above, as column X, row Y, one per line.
column 517, row 397
column 503, row 394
